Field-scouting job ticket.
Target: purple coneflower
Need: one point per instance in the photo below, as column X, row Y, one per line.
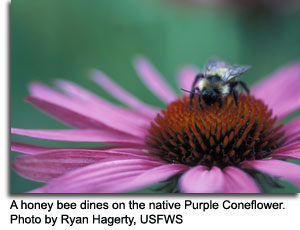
column 207, row 149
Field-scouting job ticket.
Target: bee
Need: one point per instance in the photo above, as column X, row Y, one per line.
column 218, row 81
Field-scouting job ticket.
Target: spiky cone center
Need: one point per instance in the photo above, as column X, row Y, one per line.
column 214, row 136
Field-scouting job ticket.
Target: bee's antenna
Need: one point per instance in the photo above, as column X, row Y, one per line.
column 189, row 91
column 186, row 90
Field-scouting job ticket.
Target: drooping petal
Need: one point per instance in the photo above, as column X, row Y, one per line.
column 186, row 77
column 96, row 103
column 276, row 168
column 119, row 93
column 201, row 180
column 151, row 176
column 49, row 100
column 281, row 90
column 153, row 80
column 83, row 135
column 92, row 178
column 47, row 166
column 237, row 181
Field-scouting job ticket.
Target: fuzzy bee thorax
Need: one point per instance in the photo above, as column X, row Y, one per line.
column 217, row 86
column 221, row 72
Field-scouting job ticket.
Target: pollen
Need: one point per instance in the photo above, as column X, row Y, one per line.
column 214, row 136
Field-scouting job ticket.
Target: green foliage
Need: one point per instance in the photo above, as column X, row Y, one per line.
column 168, row 186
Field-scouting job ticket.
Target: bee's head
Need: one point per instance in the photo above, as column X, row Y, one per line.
column 209, row 96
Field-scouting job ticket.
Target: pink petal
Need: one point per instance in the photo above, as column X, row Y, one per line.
column 48, row 98
column 237, row 181
column 92, row 178
column 292, row 130
column 83, row 135
column 151, row 176
column 47, row 166
column 291, row 151
column 75, row 91
column 276, row 168
column 153, row 80
column 201, row 180
column 67, row 116
column 281, row 90
column 186, row 77
column 96, row 103
column 289, row 155
column 119, row 93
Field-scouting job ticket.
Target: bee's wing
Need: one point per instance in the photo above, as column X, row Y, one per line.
column 235, row 71
column 215, row 63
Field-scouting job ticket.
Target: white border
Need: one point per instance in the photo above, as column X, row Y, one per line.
column 4, row 68
column 220, row 219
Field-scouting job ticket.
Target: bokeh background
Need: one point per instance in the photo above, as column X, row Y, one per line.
column 53, row 39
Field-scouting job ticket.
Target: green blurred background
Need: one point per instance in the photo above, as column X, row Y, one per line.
column 53, row 39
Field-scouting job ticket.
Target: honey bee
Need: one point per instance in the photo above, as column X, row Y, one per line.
column 217, row 82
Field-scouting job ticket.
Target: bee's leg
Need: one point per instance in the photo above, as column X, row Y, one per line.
column 192, row 94
column 221, row 102
column 244, row 86
column 235, row 96
column 199, row 98
column 197, row 78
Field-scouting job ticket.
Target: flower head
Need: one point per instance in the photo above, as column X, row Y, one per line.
column 207, row 148
column 213, row 136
